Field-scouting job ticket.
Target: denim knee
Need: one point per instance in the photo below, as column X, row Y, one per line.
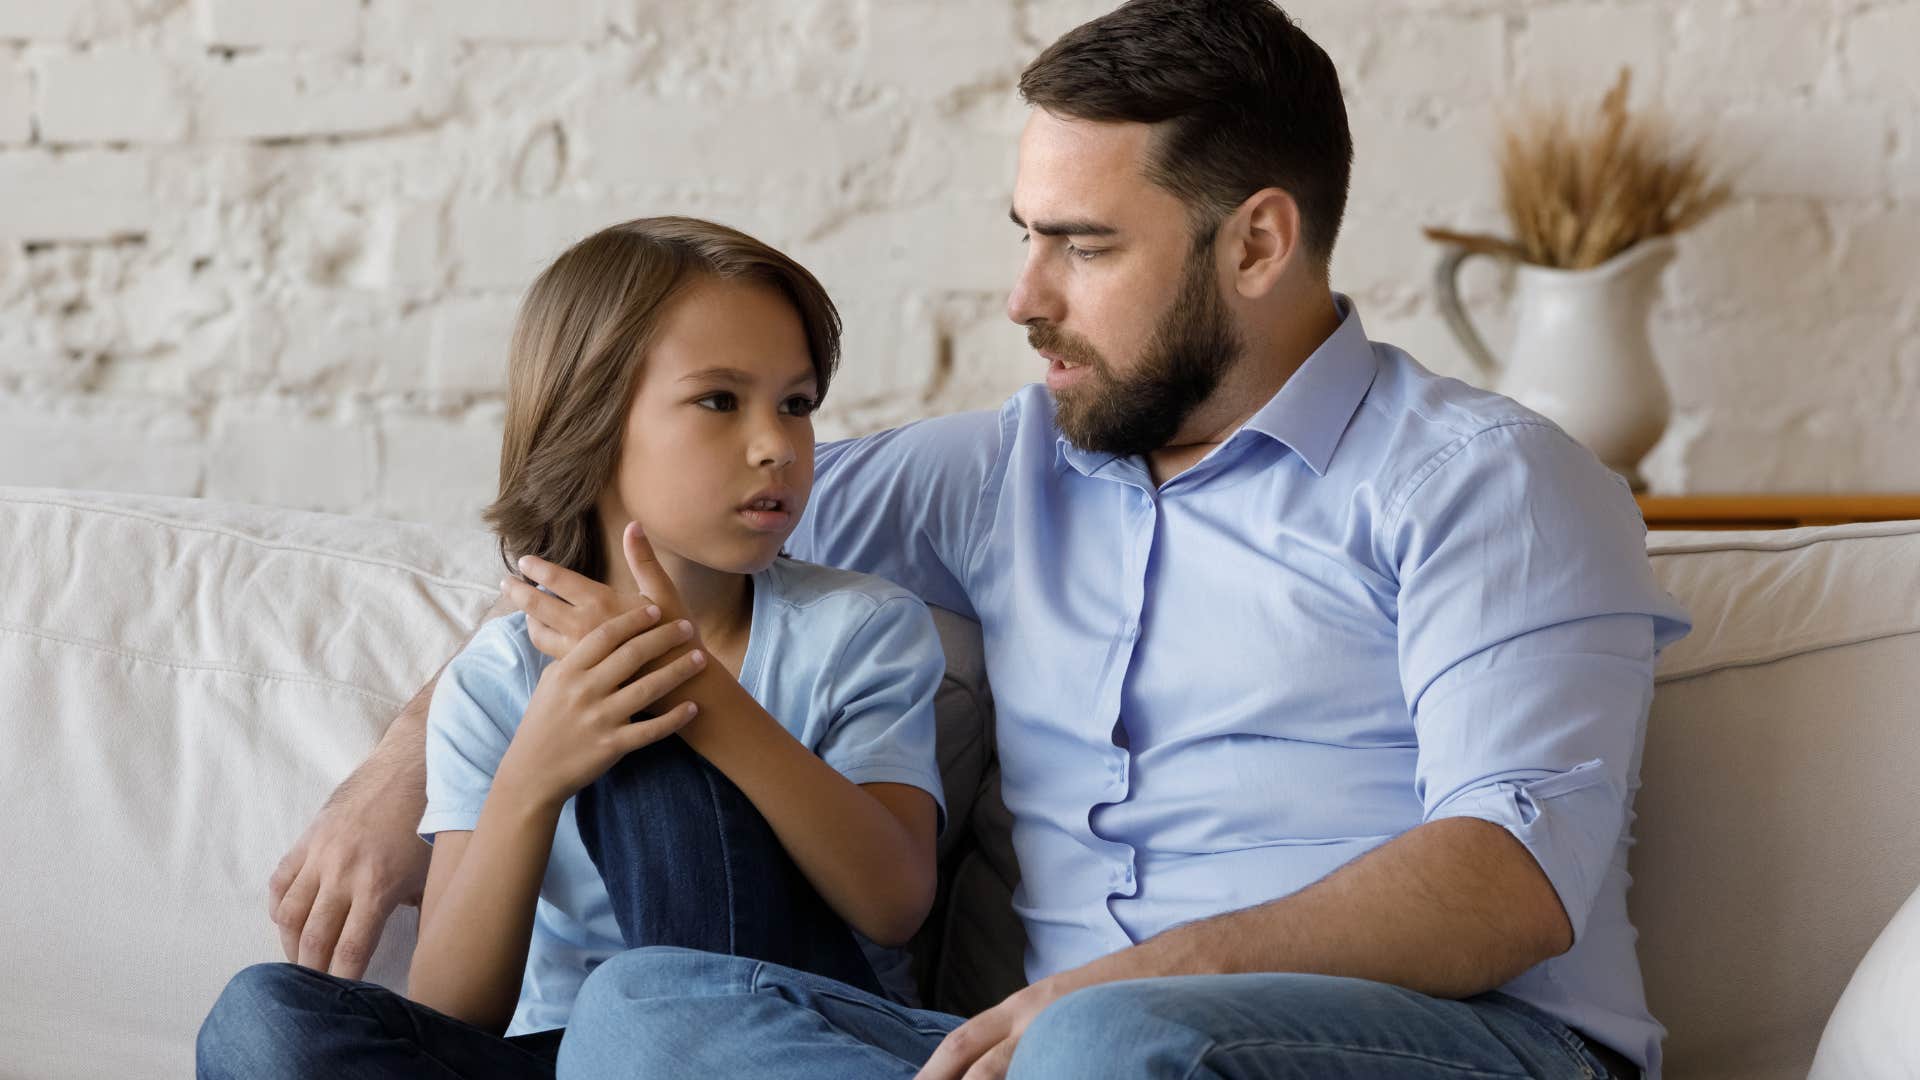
column 1090, row 1033
column 252, row 1029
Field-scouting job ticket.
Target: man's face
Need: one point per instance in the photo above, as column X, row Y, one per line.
column 1115, row 295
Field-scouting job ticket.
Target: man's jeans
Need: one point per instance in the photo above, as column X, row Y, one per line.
column 666, row 1012
column 687, row 861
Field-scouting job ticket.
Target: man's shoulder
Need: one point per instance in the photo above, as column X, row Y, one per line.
column 830, row 592
column 1413, row 422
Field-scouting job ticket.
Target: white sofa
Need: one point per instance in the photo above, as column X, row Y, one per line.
column 188, row 679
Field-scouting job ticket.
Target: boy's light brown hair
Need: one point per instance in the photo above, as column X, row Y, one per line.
column 576, row 356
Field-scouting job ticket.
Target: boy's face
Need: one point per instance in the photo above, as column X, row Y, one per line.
column 1115, row 295
column 720, row 419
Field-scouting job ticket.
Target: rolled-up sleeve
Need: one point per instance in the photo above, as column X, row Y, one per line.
column 1529, row 624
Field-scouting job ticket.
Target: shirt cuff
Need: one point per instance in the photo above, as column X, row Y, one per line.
column 1569, row 822
column 881, row 772
column 439, row 821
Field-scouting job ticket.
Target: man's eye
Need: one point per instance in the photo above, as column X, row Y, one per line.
column 1084, row 254
column 720, row 402
column 801, row 405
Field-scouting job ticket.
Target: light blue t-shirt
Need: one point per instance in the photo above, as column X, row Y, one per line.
column 846, row 662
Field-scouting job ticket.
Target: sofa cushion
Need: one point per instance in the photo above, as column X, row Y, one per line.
column 1777, row 817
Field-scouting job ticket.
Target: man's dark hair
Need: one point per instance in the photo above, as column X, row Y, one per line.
column 1248, row 99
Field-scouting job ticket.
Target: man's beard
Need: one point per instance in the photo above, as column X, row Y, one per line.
column 1187, row 355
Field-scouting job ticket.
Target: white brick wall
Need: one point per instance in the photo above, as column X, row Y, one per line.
column 271, row 250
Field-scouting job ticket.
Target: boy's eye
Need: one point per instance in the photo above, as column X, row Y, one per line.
column 722, row 401
column 801, row 405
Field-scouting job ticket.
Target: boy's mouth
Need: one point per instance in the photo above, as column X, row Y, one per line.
column 768, row 511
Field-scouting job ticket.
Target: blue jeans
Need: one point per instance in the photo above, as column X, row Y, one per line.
column 666, row 1012
column 687, row 861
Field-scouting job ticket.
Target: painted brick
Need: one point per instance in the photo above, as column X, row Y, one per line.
column 109, row 95
column 274, row 452
column 47, row 20
column 142, row 446
column 302, row 24
column 269, row 98
column 16, row 102
column 467, row 350
column 1733, row 53
column 735, row 146
column 1575, row 53
column 977, row 47
column 439, row 469
column 1818, row 152
column 86, row 195
column 1879, row 48
column 1421, row 55
column 505, row 21
column 503, row 246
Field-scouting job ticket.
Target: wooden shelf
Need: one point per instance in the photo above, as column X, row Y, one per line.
column 1772, row 511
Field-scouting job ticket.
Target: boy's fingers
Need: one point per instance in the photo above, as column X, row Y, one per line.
column 657, row 683
column 548, row 640
column 645, row 565
column 610, row 635
column 637, row 652
column 547, row 608
column 642, row 733
column 568, row 586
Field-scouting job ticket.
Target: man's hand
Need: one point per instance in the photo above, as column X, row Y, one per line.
column 359, row 859
column 578, row 604
column 982, row 1048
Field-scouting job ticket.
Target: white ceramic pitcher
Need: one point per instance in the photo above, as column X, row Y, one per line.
column 1581, row 355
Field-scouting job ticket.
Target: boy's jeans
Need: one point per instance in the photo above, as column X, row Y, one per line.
column 687, row 861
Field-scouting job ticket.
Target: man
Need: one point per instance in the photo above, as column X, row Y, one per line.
column 1321, row 681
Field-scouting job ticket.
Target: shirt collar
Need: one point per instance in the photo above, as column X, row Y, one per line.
column 1311, row 410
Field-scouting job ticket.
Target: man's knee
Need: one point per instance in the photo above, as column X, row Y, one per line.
column 647, row 1011
column 1123, row 1029
column 663, row 971
column 252, row 1028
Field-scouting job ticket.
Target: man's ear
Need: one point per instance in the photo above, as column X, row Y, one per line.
column 1264, row 234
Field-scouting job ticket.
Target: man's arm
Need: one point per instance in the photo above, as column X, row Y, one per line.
column 360, row 857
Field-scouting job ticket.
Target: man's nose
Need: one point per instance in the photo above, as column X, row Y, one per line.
column 1034, row 297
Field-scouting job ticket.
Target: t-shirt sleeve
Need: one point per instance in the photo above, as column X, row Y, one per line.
column 904, row 504
column 882, row 729
column 476, row 706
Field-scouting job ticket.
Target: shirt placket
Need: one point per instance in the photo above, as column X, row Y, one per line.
column 1140, row 522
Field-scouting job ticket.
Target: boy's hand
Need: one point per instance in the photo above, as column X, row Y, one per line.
column 556, row 623
column 580, row 720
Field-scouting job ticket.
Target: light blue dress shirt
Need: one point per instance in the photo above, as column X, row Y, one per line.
column 847, row 663
column 1389, row 598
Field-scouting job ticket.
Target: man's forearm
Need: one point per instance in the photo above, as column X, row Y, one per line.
column 398, row 762
column 1453, row 908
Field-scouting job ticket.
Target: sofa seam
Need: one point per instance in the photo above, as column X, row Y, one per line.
column 186, row 665
column 257, row 541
